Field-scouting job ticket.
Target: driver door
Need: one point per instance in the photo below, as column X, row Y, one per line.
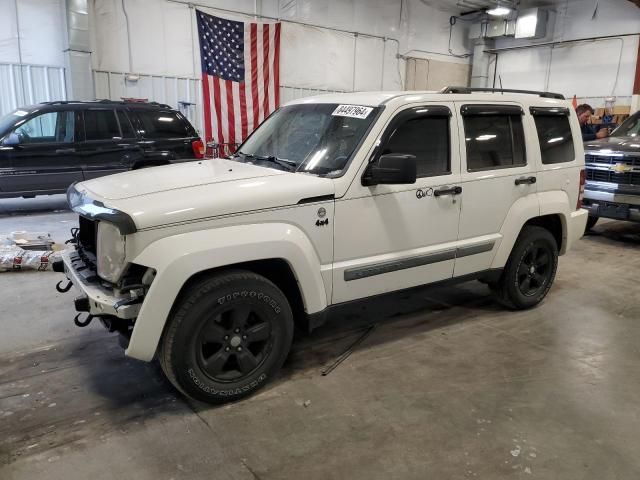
column 392, row 237
column 45, row 160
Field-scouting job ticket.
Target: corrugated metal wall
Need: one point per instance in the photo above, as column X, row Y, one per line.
column 24, row 84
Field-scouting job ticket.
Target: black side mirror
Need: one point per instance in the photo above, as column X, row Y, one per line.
column 11, row 140
column 391, row 169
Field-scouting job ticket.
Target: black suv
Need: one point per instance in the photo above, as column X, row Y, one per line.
column 46, row 147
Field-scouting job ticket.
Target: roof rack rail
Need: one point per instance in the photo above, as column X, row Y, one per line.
column 107, row 101
column 558, row 96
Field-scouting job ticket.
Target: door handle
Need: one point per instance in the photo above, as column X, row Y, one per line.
column 525, row 180
column 66, row 150
column 448, row 191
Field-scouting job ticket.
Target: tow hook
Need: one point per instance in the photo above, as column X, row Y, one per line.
column 64, row 289
column 84, row 322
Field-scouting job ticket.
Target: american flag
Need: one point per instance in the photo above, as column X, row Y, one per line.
column 240, row 75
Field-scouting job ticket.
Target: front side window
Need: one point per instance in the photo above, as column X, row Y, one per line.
column 50, row 127
column 101, row 125
column 556, row 141
column 494, row 141
column 162, row 124
column 428, row 139
column 314, row 138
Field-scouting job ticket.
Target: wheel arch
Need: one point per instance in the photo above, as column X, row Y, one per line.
column 281, row 253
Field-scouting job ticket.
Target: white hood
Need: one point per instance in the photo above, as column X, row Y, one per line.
column 196, row 190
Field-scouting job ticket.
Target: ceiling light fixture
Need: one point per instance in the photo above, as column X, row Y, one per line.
column 499, row 11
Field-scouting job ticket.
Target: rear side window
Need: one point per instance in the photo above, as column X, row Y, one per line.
column 125, row 125
column 157, row 124
column 494, row 141
column 556, row 141
column 101, row 125
column 423, row 132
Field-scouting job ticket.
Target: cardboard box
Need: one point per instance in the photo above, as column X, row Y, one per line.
column 621, row 110
column 595, row 120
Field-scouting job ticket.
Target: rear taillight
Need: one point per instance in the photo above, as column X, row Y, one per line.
column 198, row 148
column 583, row 182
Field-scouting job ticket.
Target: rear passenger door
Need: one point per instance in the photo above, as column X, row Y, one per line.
column 165, row 135
column 495, row 176
column 107, row 147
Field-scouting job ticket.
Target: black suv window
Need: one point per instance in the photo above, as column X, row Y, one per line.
column 554, row 135
column 50, row 127
column 125, row 125
column 426, row 137
column 101, row 125
column 494, row 137
column 162, row 124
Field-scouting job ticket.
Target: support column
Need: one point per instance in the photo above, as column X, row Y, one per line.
column 635, row 98
column 480, row 64
column 78, row 72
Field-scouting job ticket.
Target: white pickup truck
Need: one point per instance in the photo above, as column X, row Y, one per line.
column 208, row 265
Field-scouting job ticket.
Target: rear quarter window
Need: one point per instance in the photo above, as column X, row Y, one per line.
column 162, row 124
column 556, row 141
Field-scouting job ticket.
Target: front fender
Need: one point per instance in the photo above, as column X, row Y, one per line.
column 178, row 257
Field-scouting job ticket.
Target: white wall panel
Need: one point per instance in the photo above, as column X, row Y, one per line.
column 591, row 70
column 29, row 84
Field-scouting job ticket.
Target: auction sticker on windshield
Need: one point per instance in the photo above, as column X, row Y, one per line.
column 354, row 111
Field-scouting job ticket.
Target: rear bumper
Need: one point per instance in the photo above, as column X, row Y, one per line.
column 102, row 301
column 576, row 224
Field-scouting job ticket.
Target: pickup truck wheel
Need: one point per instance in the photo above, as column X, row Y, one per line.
column 591, row 222
column 228, row 336
column 530, row 270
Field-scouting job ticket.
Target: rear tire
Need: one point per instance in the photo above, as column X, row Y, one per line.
column 591, row 222
column 530, row 270
column 228, row 336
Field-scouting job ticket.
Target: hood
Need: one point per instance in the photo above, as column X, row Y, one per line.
column 196, row 190
column 613, row 145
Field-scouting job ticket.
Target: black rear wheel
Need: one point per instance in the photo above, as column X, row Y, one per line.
column 530, row 270
column 229, row 334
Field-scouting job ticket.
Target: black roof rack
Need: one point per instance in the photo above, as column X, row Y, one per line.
column 558, row 96
column 107, row 101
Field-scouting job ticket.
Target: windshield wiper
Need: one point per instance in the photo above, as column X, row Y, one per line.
column 288, row 165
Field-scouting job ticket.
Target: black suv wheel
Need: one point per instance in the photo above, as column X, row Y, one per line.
column 530, row 270
column 229, row 335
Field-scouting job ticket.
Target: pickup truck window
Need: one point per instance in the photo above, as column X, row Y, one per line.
column 629, row 128
column 313, row 138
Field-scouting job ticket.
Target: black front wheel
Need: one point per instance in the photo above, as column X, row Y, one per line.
column 229, row 335
column 530, row 270
column 591, row 222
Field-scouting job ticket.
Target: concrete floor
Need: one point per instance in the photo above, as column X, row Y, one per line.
column 448, row 385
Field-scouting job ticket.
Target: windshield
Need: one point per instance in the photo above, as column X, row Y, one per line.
column 7, row 122
column 629, row 128
column 314, row 138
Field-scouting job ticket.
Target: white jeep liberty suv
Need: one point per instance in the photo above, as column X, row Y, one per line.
column 206, row 265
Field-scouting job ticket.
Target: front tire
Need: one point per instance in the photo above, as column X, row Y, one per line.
column 530, row 270
column 228, row 336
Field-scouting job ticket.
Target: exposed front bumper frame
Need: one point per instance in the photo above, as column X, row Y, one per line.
column 102, row 301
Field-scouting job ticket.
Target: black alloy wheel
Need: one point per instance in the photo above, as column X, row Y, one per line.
column 234, row 343
column 534, row 269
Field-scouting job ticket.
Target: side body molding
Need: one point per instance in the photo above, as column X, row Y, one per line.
column 178, row 257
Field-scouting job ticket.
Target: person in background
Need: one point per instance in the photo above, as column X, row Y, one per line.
column 589, row 131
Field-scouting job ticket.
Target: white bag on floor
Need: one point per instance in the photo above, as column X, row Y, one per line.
column 14, row 258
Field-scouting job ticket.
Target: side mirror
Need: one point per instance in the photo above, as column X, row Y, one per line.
column 11, row 140
column 391, row 169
